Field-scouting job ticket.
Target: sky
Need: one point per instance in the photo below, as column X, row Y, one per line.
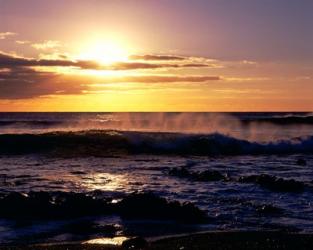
column 156, row 55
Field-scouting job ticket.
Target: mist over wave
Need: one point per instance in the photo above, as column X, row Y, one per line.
column 261, row 127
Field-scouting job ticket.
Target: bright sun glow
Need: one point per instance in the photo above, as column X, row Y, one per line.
column 105, row 52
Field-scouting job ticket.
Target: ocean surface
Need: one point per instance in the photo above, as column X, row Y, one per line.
column 81, row 176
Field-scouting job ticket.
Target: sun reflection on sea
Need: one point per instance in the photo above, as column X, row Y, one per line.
column 107, row 241
column 104, row 181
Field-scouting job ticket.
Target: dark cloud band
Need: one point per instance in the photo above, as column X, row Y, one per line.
column 8, row 61
column 157, row 57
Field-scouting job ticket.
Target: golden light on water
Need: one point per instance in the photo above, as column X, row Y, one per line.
column 104, row 181
column 89, row 182
column 116, row 241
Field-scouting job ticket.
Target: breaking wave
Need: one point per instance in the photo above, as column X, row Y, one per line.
column 107, row 143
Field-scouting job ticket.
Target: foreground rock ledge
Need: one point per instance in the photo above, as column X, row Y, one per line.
column 205, row 241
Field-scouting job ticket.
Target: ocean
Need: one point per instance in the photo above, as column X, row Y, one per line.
column 81, row 176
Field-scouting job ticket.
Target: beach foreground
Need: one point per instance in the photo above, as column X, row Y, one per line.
column 216, row 241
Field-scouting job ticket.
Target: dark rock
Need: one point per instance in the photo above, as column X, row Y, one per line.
column 135, row 243
column 190, row 163
column 20, row 182
column 13, row 204
column 274, row 183
column 269, row 210
column 61, row 205
column 79, row 204
column 82, row 227
column 150, row 206
column 78, row 172
column 180, row 172
column 208, row 175
column 301, row 162
column 110, row 229
column 44, row 205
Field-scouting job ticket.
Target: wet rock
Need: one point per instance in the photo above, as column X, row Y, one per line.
column 84, row 227
column 18, row 205
column 13, row 203
column 274, row 183
column 269, row 210
column 44, row 205
column 135, row 243
column 79, row 204
column 20, row 182
column 60, row 205
column 191, row 163
column 110, row 229
column 301, row 162
column 5, row 180
column 78, row 172
column 41, row 202
column 180, row 172
column 208, row 175
column 150, row 206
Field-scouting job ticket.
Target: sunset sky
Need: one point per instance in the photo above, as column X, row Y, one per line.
column 156, row 55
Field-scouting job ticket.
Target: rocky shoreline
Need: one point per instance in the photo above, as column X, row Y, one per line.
column 215, row 240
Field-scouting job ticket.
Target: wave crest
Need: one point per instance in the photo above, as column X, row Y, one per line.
column 106, row 143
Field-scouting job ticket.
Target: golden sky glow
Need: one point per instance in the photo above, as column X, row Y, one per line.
column 115, row 57
column 104, row 50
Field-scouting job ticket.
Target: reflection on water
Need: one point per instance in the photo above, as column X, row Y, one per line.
column 233, row 205
column 103, row 181
column 117, row 241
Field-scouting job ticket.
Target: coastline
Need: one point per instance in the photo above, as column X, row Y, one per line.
column 212, row 240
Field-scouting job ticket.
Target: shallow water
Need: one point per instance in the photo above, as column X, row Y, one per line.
column 233, row 204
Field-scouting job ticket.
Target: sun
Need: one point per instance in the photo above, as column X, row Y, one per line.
column 104, row 52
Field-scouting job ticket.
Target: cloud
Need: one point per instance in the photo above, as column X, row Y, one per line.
column 10, row 61
column 21, row 79
column 4, row 35
column 166, row 79
column 50, row 44
column 245, row 79
column 22, row 42
column 159, row 79
column 138, row 65
column 23, row 83
column 157, row 57
column 247, row 62
column 53, row 56
column 7, row 61
column 181, row 61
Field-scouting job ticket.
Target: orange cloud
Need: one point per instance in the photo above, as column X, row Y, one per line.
column 4, row 35
column 157, row 57
column 50, row 44
column 7, row 60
